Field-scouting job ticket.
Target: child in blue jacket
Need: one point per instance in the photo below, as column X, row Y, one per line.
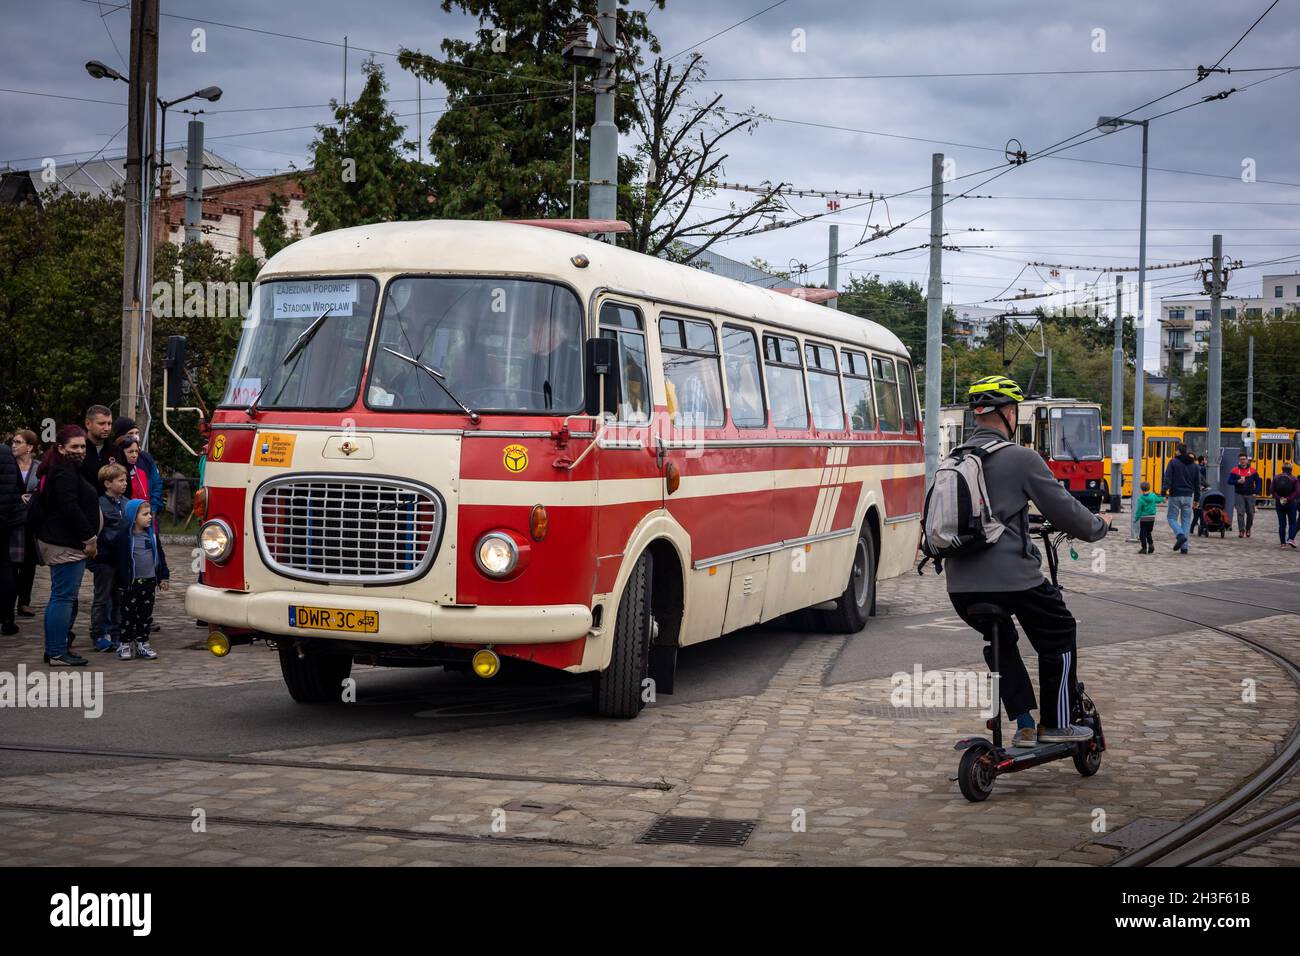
column 141, row 569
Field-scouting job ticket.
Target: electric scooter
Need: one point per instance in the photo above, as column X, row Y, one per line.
column 984, row 760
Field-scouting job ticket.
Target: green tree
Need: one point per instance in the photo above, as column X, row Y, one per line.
column 897, row 305
column 501, row 148
column 273, row 232
column 60, row 307
column 1277, row 388
column 361, row 172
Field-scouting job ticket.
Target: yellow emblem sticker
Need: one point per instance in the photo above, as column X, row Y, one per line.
column 274, row 449
column 218, row 448
column 515, row 458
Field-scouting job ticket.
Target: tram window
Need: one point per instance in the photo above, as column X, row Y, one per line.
column 691, row 375
column 907, row 388
column 824, row 384
column 618, row 322
column 886, row 385
column 857, row 392
column 1026, row 435
column 744, row 385
column 785, row 382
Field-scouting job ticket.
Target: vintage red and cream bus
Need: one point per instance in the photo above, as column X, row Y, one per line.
column 456, row 442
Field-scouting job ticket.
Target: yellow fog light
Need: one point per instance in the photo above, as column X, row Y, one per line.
column 218, row 644
column 486, row 663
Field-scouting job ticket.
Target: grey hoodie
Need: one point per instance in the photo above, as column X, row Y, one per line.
column 1014, row 477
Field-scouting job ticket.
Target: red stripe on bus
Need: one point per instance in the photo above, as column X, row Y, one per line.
column 228, row 505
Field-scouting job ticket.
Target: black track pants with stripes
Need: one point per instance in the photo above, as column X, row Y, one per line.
column 1050, row 627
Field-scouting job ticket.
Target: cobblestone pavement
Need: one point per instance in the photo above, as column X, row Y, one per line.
column 830, row 773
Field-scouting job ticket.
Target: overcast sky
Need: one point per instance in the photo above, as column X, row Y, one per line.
column 1094, row 224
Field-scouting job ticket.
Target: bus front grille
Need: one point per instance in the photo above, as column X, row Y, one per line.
column 366, row 530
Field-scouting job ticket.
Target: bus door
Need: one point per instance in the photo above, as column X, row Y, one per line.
column 1159, row 452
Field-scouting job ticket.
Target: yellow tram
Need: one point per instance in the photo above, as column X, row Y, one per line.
column 1272, row 448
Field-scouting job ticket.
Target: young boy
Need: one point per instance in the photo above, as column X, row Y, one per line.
column 141, row 568
column 106, row 612
column 1146, row 515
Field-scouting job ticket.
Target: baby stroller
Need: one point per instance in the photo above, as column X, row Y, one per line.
column 1214, row 514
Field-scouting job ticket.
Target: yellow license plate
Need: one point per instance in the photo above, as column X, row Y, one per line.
column 333, row 619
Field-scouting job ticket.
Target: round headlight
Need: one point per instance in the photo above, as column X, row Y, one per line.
column 217, row 540
column 496, row 554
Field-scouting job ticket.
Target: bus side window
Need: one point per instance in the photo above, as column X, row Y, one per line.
column 907, row 388
column 623, row 324
column 824, row 383
column 886, row 383
column 690, row 356
column 785, row 382
column 857, row 392
column 744, row 383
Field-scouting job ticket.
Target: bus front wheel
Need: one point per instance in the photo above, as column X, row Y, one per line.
column 854, row 605
column 314, row 678
column 617, row 691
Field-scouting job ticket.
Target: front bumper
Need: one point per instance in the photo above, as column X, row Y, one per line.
column 401, row 621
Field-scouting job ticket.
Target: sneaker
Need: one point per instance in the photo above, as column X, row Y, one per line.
column 1178, row 545
column 144, row 652
column 1291, row 544
column 1025, row 737
column 124, row 651
column 65, row 660
column 1241, row 534
column 26, row 612
column 1074, row 734
column 103, row 644
column 8, row 628
column 155, row 628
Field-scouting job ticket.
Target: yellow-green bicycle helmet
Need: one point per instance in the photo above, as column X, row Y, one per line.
column 994, row 391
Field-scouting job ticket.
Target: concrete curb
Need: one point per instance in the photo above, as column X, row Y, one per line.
column 189, row 539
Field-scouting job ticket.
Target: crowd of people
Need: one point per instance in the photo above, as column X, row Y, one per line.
column 89, row 502
column 1185, row 485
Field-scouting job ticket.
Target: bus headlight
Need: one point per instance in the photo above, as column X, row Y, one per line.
column 497, row 554
column 217, row 540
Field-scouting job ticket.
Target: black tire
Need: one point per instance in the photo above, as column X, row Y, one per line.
column 314, row 678
column 1086, row 761
column 616, row 691
column 854, row 606
column 975, row 776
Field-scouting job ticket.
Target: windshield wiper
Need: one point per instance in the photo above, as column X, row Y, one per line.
column 300, row 343
column 437, row 377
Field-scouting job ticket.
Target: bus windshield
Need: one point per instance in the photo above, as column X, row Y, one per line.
column 1076, row 434
column 326, row 371
column 511, row 345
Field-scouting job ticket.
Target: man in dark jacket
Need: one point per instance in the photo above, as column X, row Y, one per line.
column 1182, row 488
column 12, row 514
column 99, row 423
column 1010, row 572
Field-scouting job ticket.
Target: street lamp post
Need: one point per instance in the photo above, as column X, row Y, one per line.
column 954, row 370
column 1108, row 124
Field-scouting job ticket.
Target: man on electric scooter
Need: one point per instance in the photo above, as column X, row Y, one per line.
column 1009, row 573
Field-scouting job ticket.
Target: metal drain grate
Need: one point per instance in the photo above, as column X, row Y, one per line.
column 1139, row 833
column 698, row 831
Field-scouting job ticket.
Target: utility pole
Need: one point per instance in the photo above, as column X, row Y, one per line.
column 602, row 200
column 1214, row 410
column 1050, row 393
column 137, row 258
column 934, row 320
column 1250, row 381
column 193, row 182
column 833, row 270
column 1117, row 401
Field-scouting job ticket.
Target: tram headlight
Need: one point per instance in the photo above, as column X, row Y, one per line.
column 217, row 540
column 497, row 554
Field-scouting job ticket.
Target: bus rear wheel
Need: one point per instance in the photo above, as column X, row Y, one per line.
column 617, row 690
column 854, row 605
column 314, row 678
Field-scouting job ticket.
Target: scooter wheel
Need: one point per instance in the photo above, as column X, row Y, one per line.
column 1086, row 761
column 975, row 774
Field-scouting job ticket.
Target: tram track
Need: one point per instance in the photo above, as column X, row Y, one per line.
column 252, row 761
column 1209, row 837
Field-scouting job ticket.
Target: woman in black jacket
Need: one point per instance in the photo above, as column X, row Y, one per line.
column 70, row 520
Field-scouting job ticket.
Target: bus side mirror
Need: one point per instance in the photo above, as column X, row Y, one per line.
column 602, row 359
column 175, row 365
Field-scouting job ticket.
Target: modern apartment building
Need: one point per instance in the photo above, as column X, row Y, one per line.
column 1185, row 320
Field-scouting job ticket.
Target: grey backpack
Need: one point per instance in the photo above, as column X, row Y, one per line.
column 958, row 517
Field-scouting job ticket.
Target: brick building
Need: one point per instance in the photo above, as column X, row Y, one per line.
column 232, row 211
